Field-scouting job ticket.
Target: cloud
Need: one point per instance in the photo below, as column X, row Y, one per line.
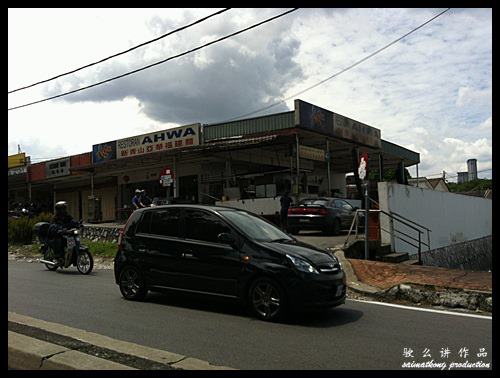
column 222, row 81
column 33, row 147
column 467, row 96
column 486, row 125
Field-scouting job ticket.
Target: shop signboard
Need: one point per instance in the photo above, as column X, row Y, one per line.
column 17, row 160
column 166, row 176
column 165, row 140
column 355, row 131
column 312, row 117
column 311, row 153
column 56, row 168
column 103, row 152
column 17, row 171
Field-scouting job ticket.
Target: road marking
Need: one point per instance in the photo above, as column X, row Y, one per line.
column 422, row 309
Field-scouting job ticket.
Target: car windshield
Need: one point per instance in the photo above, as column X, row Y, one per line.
column 314, row 202
column 254, row 227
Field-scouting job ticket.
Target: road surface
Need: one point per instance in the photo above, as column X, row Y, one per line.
column 356, row 335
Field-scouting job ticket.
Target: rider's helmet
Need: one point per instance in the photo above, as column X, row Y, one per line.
column 138, row 191
column 61, row 208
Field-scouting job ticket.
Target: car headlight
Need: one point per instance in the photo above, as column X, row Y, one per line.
column 302, row 265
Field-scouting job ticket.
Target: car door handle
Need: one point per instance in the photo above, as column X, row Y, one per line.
column 188, row 255
column 142, row 248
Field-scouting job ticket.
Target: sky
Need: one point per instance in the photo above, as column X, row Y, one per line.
column 430, row 92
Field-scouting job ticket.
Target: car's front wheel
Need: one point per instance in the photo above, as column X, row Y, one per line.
column 267, row 299
column 132, row 285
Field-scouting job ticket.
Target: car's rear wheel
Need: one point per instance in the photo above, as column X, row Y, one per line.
column 132, row 285
column 336, row 226
column 267, row 299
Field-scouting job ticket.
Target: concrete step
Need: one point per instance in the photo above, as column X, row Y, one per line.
column 411, row 261
column 395, row 257
column 383, row 249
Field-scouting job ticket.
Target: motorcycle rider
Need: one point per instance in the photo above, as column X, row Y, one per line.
column 145, row 200
column 136, row 200
column 61, row 221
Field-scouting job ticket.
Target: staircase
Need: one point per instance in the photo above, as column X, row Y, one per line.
column 382, row 252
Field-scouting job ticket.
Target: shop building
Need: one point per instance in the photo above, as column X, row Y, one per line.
column 249, row 162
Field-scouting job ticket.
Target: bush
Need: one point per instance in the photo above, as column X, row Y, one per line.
column 20, row 230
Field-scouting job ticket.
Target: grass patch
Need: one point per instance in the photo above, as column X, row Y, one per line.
column 101, row 248
column 98, row 249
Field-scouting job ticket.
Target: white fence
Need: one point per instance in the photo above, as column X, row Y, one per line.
column 452, row 218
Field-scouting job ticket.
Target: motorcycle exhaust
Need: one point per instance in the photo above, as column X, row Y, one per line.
column 48, row 262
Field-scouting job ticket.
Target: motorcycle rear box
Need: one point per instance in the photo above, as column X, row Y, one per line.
column 41, row 229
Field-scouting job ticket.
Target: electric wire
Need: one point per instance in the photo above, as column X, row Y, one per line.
column 122, row 52
column 340, row 72
column 157, row 63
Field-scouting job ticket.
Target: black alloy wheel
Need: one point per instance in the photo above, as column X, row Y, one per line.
column 132, row 285
column 266, row 299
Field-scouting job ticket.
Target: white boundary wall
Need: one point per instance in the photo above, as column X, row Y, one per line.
column 452, row 218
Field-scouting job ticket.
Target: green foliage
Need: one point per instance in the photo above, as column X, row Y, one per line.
column 389, row 174
column 479, row 184
column 20, row 230
column 101, row 248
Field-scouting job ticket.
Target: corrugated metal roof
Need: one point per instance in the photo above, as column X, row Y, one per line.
column 248, row 126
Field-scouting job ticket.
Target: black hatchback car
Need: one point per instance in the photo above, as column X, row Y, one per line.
column 228, row 253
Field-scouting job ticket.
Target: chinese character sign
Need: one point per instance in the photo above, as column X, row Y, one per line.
column 164, row 140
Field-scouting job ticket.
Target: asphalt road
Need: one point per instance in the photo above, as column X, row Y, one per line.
column 354, row 336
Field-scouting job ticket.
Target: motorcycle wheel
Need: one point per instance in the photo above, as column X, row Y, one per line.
column 84, row 262
column 50, row 255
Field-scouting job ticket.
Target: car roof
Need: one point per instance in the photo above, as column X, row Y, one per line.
column 191, row 206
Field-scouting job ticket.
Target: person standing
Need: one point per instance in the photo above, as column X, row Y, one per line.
column 285, row 201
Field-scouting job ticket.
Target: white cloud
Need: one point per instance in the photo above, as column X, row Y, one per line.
column 486, row 125
column 467, row 95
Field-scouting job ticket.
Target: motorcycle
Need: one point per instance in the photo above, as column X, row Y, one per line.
column 75, row 253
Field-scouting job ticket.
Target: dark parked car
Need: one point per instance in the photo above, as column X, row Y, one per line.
column 227, row 253
column 330, row 215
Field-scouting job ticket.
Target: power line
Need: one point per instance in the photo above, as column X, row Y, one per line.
column 441, row 173
column 483, row 170
column 157, row 63
column 340, row 72
column 122, row 52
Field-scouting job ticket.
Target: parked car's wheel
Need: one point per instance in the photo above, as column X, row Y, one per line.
column 267, row 300
column 132, row 285
column 336, row 226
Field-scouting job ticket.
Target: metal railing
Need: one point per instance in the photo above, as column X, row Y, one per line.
column 401, row 219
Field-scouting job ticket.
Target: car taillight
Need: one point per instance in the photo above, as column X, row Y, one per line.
column 121, row 232
column 323, row 211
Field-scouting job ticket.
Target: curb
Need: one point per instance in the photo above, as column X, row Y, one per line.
column 472, row 300
column 34, row 353
column 28, row 353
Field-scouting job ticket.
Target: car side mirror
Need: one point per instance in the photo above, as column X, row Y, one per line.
column 226, row 238
column 355, row 208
